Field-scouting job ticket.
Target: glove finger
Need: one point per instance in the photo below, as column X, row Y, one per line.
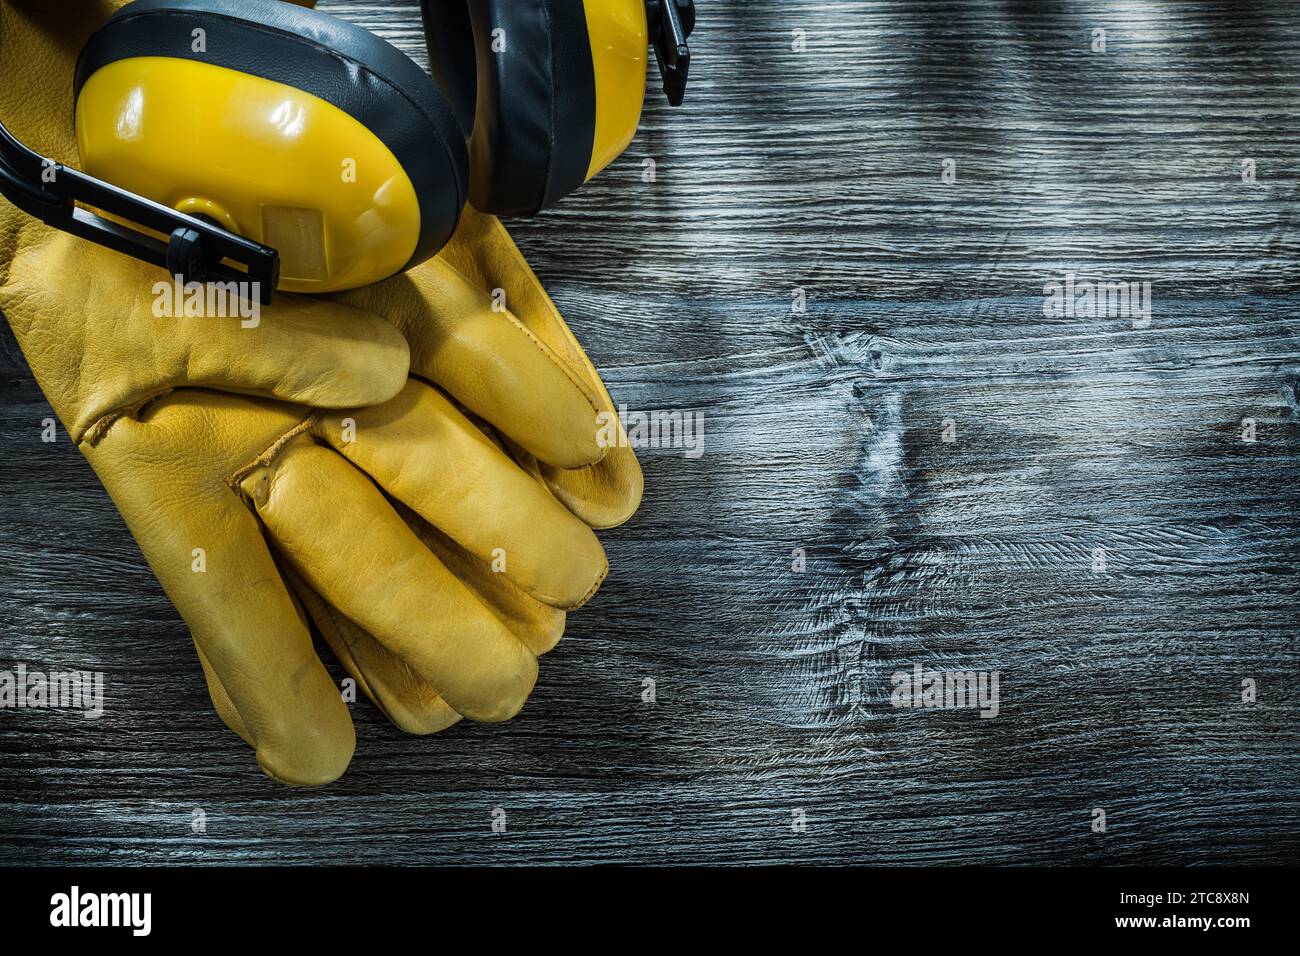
column 397, row 689
column 423, row 451
column 300, row 349
column 491, row 363
column 603, row 495
column 540, row 626
column 607, row 492
column 337, row 531
column 217, row 692
column 208, row 553
column 406, row 698
column 317, row 353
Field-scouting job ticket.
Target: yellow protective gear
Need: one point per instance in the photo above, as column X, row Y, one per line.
column 227, row 444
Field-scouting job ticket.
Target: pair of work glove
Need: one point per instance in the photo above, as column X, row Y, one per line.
column 416, row 466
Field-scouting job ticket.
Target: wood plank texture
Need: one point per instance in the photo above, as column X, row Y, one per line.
column 821, row 170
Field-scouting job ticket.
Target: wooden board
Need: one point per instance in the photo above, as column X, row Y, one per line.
column 821, row 170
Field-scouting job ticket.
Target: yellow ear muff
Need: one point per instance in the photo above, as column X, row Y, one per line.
column 261, row 158
column 299, row 130
column 617, row 32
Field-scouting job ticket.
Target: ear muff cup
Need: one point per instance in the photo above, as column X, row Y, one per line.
column 533, row 87
column 335, row 61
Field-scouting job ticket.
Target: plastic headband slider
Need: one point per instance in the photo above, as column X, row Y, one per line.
column 671, row 22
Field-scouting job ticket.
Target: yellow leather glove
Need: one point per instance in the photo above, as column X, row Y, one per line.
column 190, row 465
column 505, row 545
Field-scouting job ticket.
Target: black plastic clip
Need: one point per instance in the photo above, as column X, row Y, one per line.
column 671, row 22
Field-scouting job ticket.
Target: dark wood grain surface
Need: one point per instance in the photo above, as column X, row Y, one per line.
column 821, row 170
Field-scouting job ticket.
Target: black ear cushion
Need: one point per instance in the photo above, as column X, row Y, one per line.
column 343, row 64
column 535, row 112
column 449, row 38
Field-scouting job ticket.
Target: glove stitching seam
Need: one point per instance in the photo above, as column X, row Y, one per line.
column 554, row 360
column 591, row 591
column 100, row 427
column 573, row 378
column 271, row 451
